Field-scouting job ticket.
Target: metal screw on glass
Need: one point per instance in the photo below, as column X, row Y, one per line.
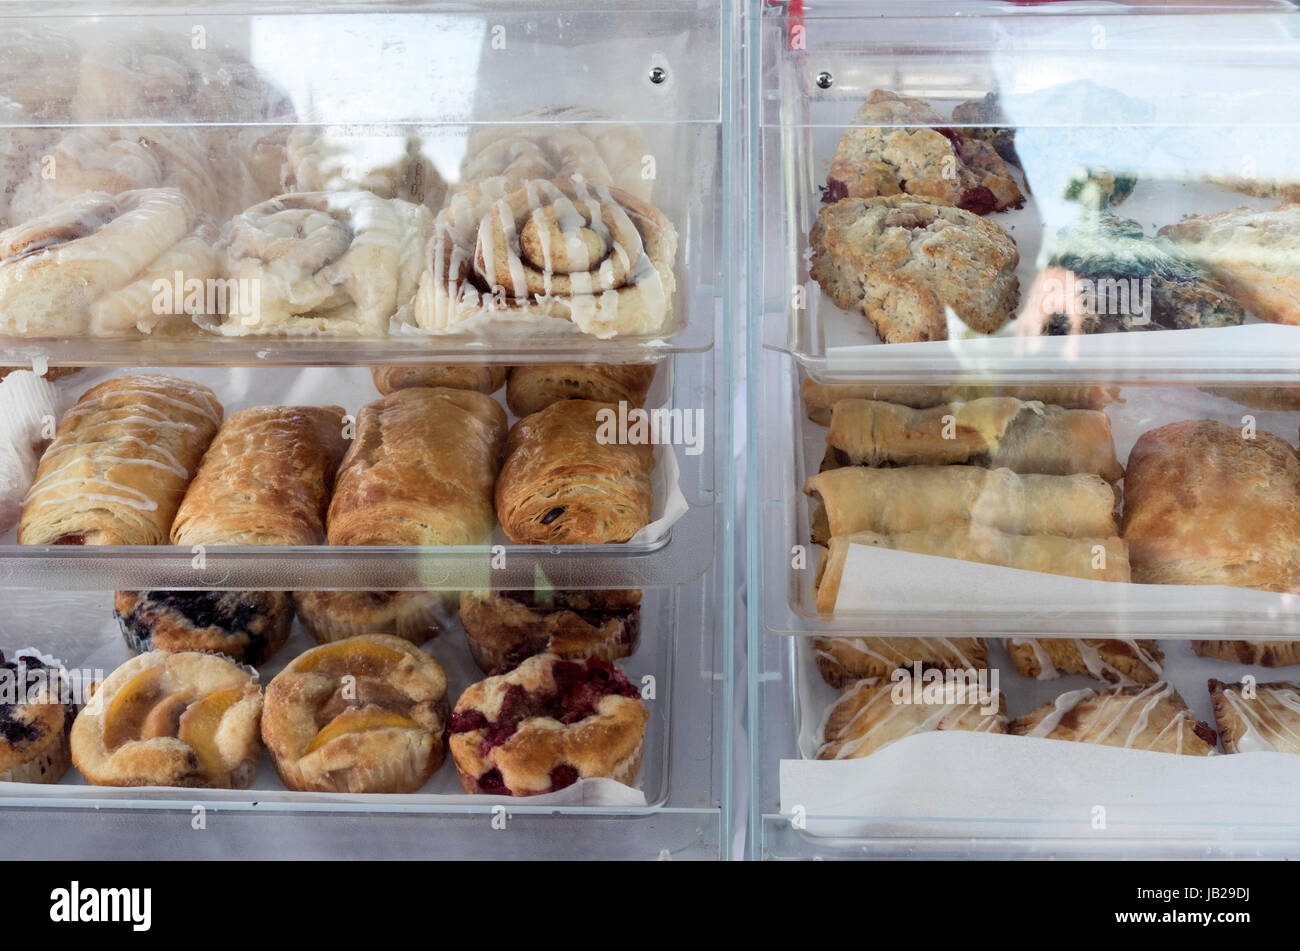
column 658, row 75
column 824, row 80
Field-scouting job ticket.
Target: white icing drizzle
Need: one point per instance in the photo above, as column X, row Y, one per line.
column 1060, row 707
column 1258, row 720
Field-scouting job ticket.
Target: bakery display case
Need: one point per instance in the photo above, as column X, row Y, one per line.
column 1024, row 492
column 365, row 470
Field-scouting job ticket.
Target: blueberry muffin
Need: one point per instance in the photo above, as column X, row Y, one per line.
column 247, row 626
column 34, row 721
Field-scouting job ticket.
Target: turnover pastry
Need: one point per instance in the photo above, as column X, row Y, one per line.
column 819, row 398
column 1206, row 503
column 266, row 479
column 1137, row 716
column 337, row 615
column 535, row 387
column 906, row 263
column 164, row 719
column 507, row 627
column 1118, row 661
column 995, row 432
column 1261, row 653
column 420, row 470
column 871, row 714
column 842, row 660
column 886, row 152
column 36, row 715
column 120, row 462
column 485, row 378
column 1263, row 719
column 247, row 626
column 562, row 485
column 362, row 715
column 547, row 724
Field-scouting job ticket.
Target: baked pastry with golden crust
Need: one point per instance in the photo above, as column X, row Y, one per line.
column 120, row 462
column 1261, row 653
column 1137, row 716
column 362, row 715
column 533, row 388
column 164, row 719
column 561, row 485
column 1117, row 661
column 36, row 715
column 420, row 470
column 1264, row 719
column 507, row 627
column 337, row 615
column 842, row 660
column 547, row 724
column 485, row 378
column 871, row 714
column 819, row 398
column 266, row 479
column 247, row 626
column 1206, row 504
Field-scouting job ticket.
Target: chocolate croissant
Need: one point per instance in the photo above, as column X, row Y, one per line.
column 533, row 388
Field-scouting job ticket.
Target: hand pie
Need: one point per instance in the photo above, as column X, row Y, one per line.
column 1137, row 716
column 246, row 626
column 819, row 398
column 534, row 387
column 337, row 615
column 362, row 715
column 842, row 660
column 1267, row 721
column 1116, row 661
column 120, row 462
column 547, row 724
column 1263, row 653
column 265, row 480
column 420, row 470
column 34, row 721
column 165, row 719
column 507, row 627
column 485, row 378
column 562, row 485
column 873, row 713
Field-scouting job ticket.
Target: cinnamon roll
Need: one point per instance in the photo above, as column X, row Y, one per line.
column 321, row 160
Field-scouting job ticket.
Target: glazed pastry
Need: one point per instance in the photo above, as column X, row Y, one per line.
column 247, row 626
column 485, row 378
column 1205, row 504
column 29, row 407
column 1115, row 661
column 993, row 433
column 1262, row 653
column 420, row 470
column 819, row 398
column 506, row 627
column 140, row 307
column 906, row 263
column 535, row 387
column 914, row 498
column 547, row 724
column 53, row 268
column 323, row 161
column 362, row 715
column 333, row 262
column 35, row 718
column 337, row 615
column 842, row 660
column 885, row 153
column 119, row 464
column 164, row 719
column 567, row 250
column 868, row 714
column 560, row 485
column 1267, row 720
column 1092, row 559
column 1138, row 716
column 265, row 480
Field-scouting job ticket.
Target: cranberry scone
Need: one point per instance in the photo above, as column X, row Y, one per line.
column 35, row 721
column 547, row 724
column 505, row 628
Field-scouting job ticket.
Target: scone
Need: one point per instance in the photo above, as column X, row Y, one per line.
column 362, row 715
column 506, row 627
column 1262, row 653
column 247, row 626
column 842, row 660
column 34, row 721
column 1263, row 719
column 336, row 615
column 1139, row 716
column 164, row 719
column 1116, row 661
column 904, row 262
column 547, row 724
column 984, row 119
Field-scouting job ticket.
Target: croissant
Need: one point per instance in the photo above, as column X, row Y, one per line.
column 485, row 378
column 533, row 388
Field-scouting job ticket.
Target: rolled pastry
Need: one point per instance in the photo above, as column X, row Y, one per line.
column 1139, row 716
column 818, row 398
column 535, row 387
column 192, row 263
column 887, row 501
column 484, row 378
column 420, row 470
column 562, row 485
column 120, row 462
column 1093, row 559
column 265, row 480
column 993, row 432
